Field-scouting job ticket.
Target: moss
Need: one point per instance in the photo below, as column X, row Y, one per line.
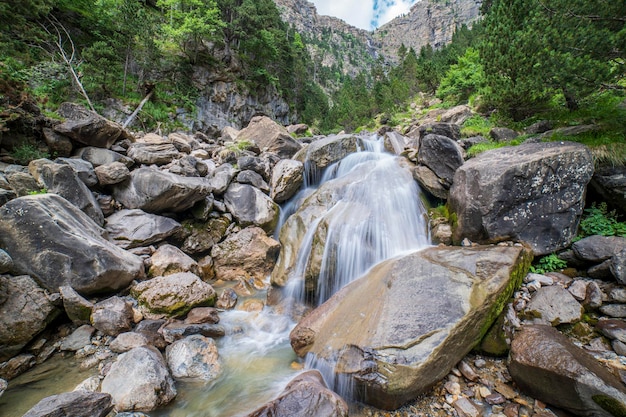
column 494, row 343
column 610, row 404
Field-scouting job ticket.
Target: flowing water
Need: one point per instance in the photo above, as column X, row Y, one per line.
column 379, row 216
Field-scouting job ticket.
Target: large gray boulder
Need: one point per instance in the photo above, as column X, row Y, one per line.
column 51, row 240
column 98, row 156
column 547, row 366
column 532, row 192
column 133, row 228
column 74, row 404
column 89, row 128
column 442, row 155
column 62, row 180
column 84, row 169
column 610, row 183
column 153, row 154
column 139, row 380
column 25, row 310
column 324, row 152
column 194, row 357
column 449, row 130
column 250, row 206
column 269, row 136
column 112, row 316
column 249, row 253
column 168, row 260
column 598, row 248
column 305, row 396
column 404, row 325
column 155, row 191
column 287, row 178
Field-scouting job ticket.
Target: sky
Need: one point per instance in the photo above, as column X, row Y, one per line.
column 365, row 14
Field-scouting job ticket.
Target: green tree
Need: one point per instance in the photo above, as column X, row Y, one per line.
column 462, row 79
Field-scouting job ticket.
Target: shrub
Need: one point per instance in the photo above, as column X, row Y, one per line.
column 27, row 152
column 598, row 220
column 548, row 263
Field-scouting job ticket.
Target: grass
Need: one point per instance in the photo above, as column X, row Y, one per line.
column 487, row 146
column 476, row 126
column 27, row 152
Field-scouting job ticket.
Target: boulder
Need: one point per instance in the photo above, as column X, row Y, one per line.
column 78, row 339
column 204, row 235
column 75, row 404
column 153, row 154
column 25, row 310
column 287, row 178
column 532, row 192
column 406, row 323
column 177, row 330
column 269, row 136
column 262, row 166
column 182, row 141
column 449, row 130
column 254, row 179
column 6, row 263
column 305, row 396
column 127, row 341
column 326, row 151
column 17, row 366
column 187, row 166
column 89, row 128
column 395, row 142
column 112, row 173
column 174, row 295
column 62, row 180
column 249, row 253
column 430, row 182
column 82, row 168
column 22, row 183
column 77, row 308
column 194, row 357
column 553, row 305
column 156, row 191
column 471, row 141
column 618, row 266
column 442, row 155
column 547, row 366
column 598, row 248
column 134, row 228
column 610, row 183
column 139, row 380
column 251, row 207
column 457, row 115
column 221, row 178
column 168, row 260
column 58, row 144
column 112, row 316
column 57, row 244
column 99, row 156
column 299, row 129
column 502, row 134
column 201, row 315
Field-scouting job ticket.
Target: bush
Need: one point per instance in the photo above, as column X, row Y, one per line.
column 597, row 220
column 27, row 152
column 548, row 263
column 476, row 125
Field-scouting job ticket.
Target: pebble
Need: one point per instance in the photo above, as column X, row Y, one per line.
column 540, row 278
column 578, row 289
column 466, row 408
column 496, row 398
column 467, row 371
column 480, row 363
column 453, row 388
column 506, row 390
column 484, row 392
column 618, row 295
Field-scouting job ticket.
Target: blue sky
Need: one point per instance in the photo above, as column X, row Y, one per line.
column 365, row 14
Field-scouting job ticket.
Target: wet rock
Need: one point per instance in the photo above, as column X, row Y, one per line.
column 553, row 305
column 99, row 156
column 71, row 249
column 157, row 191
column 598, row 248
column 174, row 295
column 112, row 173
column 75, row 404
column 395, row 142
column 548, row 366
column 430, row 182
column 127, row 341
column 251, row 207
column 177, row 330
column 287, row 178
column 442, row 155
column 248, row 253
column 269, row 136
column 227, row 299
column 79, row 338
column 305, row 396
column 82, row 168
column 532, row 192
column 139, row 380
column 25, row 311
column 391, row 349
column 201, row 315
column 62, row 180
column 168, row 260
column 326, row 151
column 112, row 316
column 194, row 357
column 135, row 228
column 16, row 366
column 153, row 153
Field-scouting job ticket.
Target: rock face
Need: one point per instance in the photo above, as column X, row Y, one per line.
column 269, row 136
column 610, row 183
column 133, row 228
column 287, row 178
column 404, row 325
column 442, row 155
column 194, row 357
column 57, row 244
column 139, row 380
column 532, row 192
column 250, row 206
column 25, row 310
column 305, row 396
column 75, row 404
column 326, row 151
column 549, row 367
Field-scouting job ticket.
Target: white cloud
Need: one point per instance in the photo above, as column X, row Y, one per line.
column 392, row 11
column 358, row 13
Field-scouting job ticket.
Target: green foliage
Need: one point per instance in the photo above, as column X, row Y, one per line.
column 475, row 126
column 27, row 152
column 598, row 220
column 462, row 79
column 548, row 263
column 37, row 192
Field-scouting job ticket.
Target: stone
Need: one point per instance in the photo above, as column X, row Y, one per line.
column 75, row 404
column 221, row 178
column 25, row 311
column 467, row 143
column 3, row 386
column 176, row 330
column 127, row 341
column 287, row 178
column 112, row 316
column 156, row 191
column 6, row 263
column 71, row 249
column 201, row 315
column 168, row 260
column 135, row 228
column 307, row 396
column 326, row 151
column 16, row 366
column 150, row 330
column 547, row 366
column 395, row 142
column 261, row 166
column 227, row 299
column 22, row 183
column 553, row 305
column 6, row 196
column 466, row 408
column 578, row 289
column 251, row 207
column 531, row 192
column 254, row 179
column 449, row 130
column 77, row 308
column 502, row 134
column 598, row 248
column 610, row 183
column 182, row 141
column 194, row 357
column 269, row 136
column 112, row 173
column 82, row 168
column 98, row 156
column 442, row 155
column 614, row 310
column 187, row 166
column 403, row 326
column 249, row 253
column 153, row 153
column 612, row 328
column 204, row 235
column 457, row 115
column 430, row 182
column 174, row 295
column 58, row 145
column 62, row 180
column 593, row 296
column 89, row 128
column 618, row 266
column 79, row 338
column 544, row 280
column 139, row 380
column 298, row 129
column 600, row 271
